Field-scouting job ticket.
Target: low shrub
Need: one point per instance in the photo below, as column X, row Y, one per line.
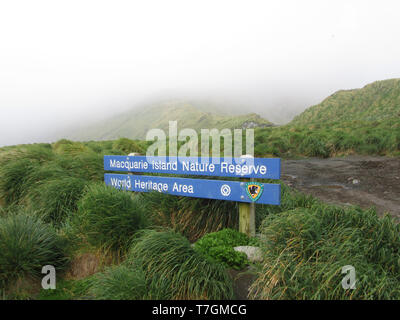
column 27, row 244
column 219, row 246
column 168, row 256
column 110, row 217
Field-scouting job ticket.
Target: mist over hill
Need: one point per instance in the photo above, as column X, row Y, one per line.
column 136, row 123
column 377, row 101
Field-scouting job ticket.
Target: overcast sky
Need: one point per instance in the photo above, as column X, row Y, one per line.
column 63, row 62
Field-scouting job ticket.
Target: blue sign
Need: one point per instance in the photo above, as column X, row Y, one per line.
column 198, row 188
column 261, row 168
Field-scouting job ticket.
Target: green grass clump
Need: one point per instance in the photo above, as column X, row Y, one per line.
column 120, row 283
column 110, row 217
column 55, row 199
column 219, row 246
column 127, row 146
column 168, row 256
column 26, row 245
column 190, row 216
column 16, row 166
column 88, row 166
column 71, row 148
column 305, row 249
column 69, row 290
column 129, row 282
column 13, row 179
column 291, row 199
column 314, row 147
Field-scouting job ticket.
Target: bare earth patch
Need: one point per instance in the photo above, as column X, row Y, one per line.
column 356, row 180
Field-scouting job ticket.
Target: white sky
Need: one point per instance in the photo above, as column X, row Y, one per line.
column 62, row 62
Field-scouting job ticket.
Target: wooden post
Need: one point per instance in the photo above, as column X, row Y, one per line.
column 247, row 219
column 247, row 214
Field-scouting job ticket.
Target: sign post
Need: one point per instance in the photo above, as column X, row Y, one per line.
column 247, row 191
column 247, row 212
column 247, row 217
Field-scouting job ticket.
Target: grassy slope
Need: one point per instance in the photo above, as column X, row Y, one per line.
column 360, row 121
column 135, row 124
column 377, row 101
column 311, row 240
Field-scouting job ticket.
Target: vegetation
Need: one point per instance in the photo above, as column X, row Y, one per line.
column 26, row 245
column 305, row 243
column 360, row 121
column 377, row 101
column 168, row 255
column 190, row 216
column 109, row 217
column 305, row 249
column 219, row 246
column 129, row 282
column 135, row 124
column 54, row 206
column 291, row 199
column 69, row 290
column 56, row 199
column 127, row 146
column 15, row 167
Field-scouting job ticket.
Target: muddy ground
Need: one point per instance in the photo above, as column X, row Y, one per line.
column 356, row 180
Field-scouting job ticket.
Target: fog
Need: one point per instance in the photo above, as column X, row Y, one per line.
column 73, row 62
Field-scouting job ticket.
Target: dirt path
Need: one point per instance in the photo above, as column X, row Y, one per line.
column 364, row 181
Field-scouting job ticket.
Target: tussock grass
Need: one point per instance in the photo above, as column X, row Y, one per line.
column 192, row 217
column 88, row 166
column 305, row 250
column 68, row 290
column 87, row 261
column 26, row 245
column 13, row 179
column 70, row 148
column 127, row 146
column 329, row 140
column 16, row 166
column 55, row 199
column 129, row 282
column 109, row 217
column 168, row 256
column 291, row 199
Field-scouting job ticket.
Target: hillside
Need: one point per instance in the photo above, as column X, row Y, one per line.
column 377, row 101
column 136, row 123
column 360, row 121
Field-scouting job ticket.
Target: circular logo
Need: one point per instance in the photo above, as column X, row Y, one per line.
column 225, row 190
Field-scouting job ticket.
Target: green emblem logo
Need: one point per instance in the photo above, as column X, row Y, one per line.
column 254, row 190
